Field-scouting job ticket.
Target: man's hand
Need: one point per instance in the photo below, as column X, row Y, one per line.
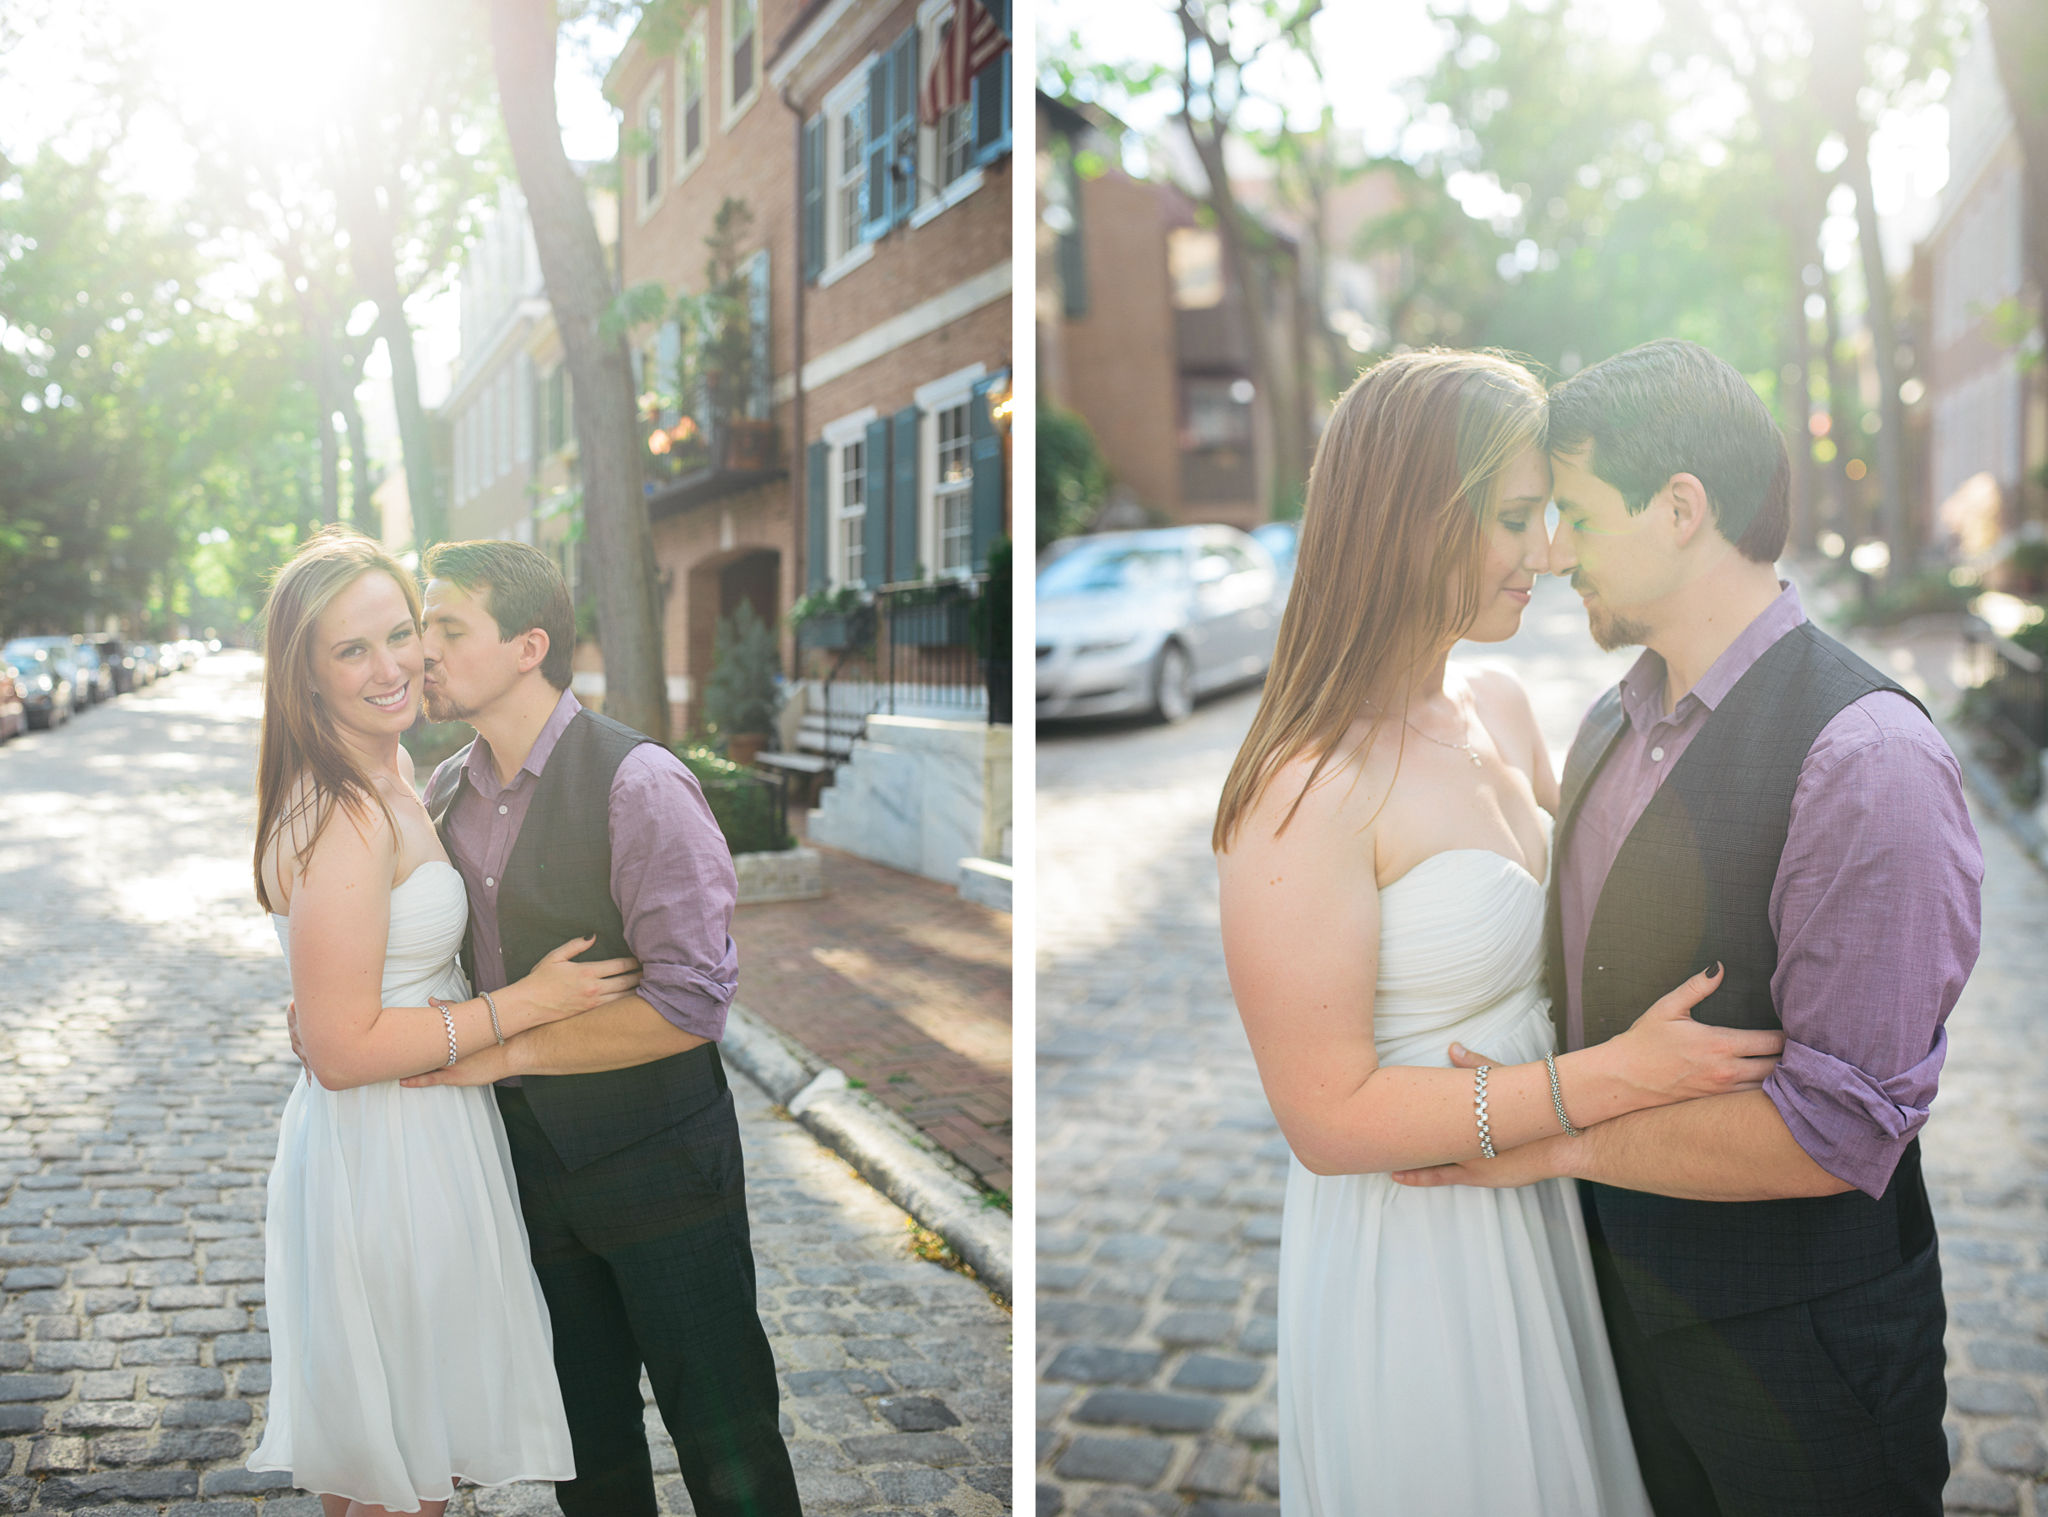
column 486, row 1066
column 1545, row 1159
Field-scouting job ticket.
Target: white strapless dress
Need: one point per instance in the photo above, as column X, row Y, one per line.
column 409, row 1341
column 1442, row 1351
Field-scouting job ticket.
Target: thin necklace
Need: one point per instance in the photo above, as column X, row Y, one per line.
column 1465, row 747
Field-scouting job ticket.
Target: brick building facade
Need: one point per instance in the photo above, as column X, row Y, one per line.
column 876, row 276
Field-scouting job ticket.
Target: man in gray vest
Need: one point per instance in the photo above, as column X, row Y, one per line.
column 565, row 824
column 1751, row 793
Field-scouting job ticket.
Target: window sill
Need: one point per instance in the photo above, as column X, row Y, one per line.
column 954, row 193
column 691, row 165
column 832, row 273
column 739, row 107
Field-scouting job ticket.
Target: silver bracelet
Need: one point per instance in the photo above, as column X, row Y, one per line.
column 1557, row 1097
column 1479, row 1107
column 448, row 1021
column 499, row 1032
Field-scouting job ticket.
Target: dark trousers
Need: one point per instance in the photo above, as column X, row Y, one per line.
column 645, row 1260
column 1825, row 1408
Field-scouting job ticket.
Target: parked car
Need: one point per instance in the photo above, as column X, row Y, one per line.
column 93, row 672
column 167, row 660
column 142, row 657
column 62, row 653
column 118, row 662
column 1132, row 622
column 13, row 702
column 1282, row 540
column 49, row 698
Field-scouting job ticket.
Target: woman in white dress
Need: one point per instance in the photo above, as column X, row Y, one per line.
column 409, row 1340
column 1382, row 851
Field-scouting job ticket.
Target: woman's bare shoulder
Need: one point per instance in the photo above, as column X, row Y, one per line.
column 1313, row 800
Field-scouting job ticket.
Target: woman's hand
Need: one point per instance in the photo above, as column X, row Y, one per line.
column 1669, row 1057
column 559, row 987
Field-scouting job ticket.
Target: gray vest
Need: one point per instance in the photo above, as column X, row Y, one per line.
column 557, row 885
column 1692, row 884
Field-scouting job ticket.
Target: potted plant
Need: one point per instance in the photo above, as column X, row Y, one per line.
column 743, row 693
column 834, row 619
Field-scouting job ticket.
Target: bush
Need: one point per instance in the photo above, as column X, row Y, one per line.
column 743, row 692
column 1929, row 593
column 1072, row 478
column 430, row 743
column 748, row 808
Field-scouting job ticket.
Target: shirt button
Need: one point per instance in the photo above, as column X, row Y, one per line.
column 489, row 881
column 1656, row 756
column 503, row 809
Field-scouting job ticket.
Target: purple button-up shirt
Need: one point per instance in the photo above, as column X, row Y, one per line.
column 672, row 875
column 1875, row 905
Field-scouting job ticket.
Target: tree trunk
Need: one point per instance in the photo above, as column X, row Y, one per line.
column 362, row 509
column 1839, row 421
column 2019, row 38
column 375, row 264
column 579, row 284
column 1891, row 416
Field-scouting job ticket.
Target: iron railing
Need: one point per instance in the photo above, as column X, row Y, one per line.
column 936, row 649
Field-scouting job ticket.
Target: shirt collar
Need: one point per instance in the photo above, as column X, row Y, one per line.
column 1642, row 688
column 483, row 771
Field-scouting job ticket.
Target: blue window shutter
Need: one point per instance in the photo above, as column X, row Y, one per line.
column 877, row 210
column 903, row 128
column 668, row 353
column 817, row 553
column 814, row 198
column 903, row 495
column 875, row 457
column 987, row 456
column 760, row 393
column 992, row 96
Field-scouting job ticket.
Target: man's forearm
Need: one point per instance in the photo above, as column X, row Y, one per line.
column 1721, row 1148
column 617, row 1035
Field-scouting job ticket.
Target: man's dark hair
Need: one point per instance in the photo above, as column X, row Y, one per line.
column 526, row 591
column 1670, row 408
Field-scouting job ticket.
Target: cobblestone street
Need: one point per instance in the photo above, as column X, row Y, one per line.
column 143, row 1065
column 1160, row 1170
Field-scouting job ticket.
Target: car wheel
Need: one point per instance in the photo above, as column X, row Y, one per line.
column 1173, row 685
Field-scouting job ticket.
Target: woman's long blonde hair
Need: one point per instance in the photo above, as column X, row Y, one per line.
column 298, row 739
column 1394, row 532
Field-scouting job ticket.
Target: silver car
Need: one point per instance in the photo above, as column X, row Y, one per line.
column 1132, row 622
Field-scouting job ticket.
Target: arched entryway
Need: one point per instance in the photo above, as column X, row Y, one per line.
column 717, row 586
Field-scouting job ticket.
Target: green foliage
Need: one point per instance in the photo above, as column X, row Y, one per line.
column 1930, row 593
column 714, row 368
column 844, row 601
column 1073, row 481
column 747, row 807
column 743, row 692
column 157, row 438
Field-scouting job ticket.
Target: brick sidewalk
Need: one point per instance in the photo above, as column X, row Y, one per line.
column 903, row 985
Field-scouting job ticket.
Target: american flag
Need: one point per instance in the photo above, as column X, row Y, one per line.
column 972, row 42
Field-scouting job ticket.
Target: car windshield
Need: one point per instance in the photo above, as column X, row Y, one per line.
column 1113, row 566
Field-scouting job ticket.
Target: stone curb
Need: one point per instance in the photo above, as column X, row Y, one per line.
column 889, row 1153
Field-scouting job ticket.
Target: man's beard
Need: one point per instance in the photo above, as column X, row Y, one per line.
column 442, row 707
column 1610, row 630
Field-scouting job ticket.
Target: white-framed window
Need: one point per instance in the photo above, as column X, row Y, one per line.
column 851, row 476
column 741, row 56
column 946, row 170
column 844, row 149
column 693, row 124
column 946, row 472
column 953, row 491
column 647, row 164
column 853, row 513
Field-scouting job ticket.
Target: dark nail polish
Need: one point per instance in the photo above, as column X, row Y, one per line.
column 1716, row 971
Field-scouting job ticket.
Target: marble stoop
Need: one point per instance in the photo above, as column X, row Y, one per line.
column 921, row 795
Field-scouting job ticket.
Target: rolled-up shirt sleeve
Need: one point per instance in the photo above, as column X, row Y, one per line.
column 673, row 881
column 1877, row 913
